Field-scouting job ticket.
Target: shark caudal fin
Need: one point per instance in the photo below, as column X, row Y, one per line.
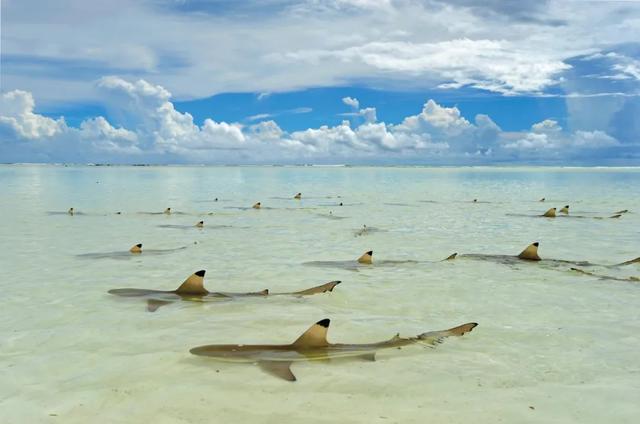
column 167, row 211
column 565, row 210
column 551, row 213
column 451, row 257
column 436, row 337
column 136, row 248
column 193, row 285
column 70, row 211
column 541, row 200
column 315, row 336
column 298, row 196
column 530, row 253
column 327, row 287
column 257, row 206
column 200, row 224
column 630, row 262
column 366, row 258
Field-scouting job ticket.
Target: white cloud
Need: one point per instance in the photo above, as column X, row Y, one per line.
column 17, row 114
column 352, row 102
column 147, row 127
column 494, row 65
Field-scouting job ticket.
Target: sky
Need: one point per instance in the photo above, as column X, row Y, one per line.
column 389, row 82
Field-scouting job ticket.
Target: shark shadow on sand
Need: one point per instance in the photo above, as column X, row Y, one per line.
column 312, row 345
column 192, row 289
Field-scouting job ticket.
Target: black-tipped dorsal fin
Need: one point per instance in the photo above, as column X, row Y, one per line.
column 530, row 253
column 451, row 257
column 193, row 285
column 366, row 258
column 315, row 336
column 137, row 248
column 565, row 210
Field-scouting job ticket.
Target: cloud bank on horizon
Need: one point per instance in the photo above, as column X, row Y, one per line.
column 113, row 68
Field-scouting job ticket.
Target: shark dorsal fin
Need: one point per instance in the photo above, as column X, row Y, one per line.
column 551, row 213
column 257, row 205
column 315, row 336
column 530, row 253
column 542, row 200
column 200, row 224
column 136, row 248
column 167, row 211
column 366, row 258
column 193, row 285
column 451, row 257
column 71, row 211
column 298, row 196
column 565, row 210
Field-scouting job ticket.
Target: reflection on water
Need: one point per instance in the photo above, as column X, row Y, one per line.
column 552, row 345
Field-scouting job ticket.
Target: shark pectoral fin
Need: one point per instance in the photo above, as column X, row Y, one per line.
column 154, row 304
column 371, row 357
column 280, row 369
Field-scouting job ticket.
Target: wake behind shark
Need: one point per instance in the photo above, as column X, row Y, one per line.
column 530, row 255
column 364, row 261
column 564, row 213
column 312, row 345
column 192, row 289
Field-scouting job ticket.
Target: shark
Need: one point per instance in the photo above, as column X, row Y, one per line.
column 564, row 213
column 312, row 345
column 198, row 225
column 605, row 277
column 530, row 255
column 192, row 289
column 366, row 230
column 366, row 260
column 134, row 251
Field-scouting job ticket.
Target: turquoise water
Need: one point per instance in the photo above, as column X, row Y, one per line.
column 552, row 346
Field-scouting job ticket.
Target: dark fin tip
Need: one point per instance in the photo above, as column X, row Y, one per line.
column 139, row 244
column 324, row 323
column 370, row 253
column 200, row 273
column 566, row 206
column 536, row 244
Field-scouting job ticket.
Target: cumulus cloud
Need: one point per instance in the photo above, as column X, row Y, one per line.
column 144, row 125
column 350, row 101
column 17, row 108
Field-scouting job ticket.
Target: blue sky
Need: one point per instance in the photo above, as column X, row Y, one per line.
column 310, row 81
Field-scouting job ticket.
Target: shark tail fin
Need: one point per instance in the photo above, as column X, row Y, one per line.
column 629, row 262
column 451, row 257
column 167, row 211
column 436, row 337
column 193, row 285
column 366, row 258
column 70, row 211
column 565, row 210
column 551, row 213
column 137, row 248
column 327, row 287
column 315, row 336
column 530, row 253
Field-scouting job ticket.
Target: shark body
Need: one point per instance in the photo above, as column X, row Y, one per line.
column 192, row 289
column 312, row 345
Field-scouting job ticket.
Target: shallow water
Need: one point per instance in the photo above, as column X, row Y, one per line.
column 552, row 346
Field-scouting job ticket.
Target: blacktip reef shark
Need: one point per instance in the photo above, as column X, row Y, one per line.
column 192, row 289
column 365, row 230
column 135, row 251
column 198, row 225
column 366, row 260
column 312, row 345
column 530, row 254
column 564, row 211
